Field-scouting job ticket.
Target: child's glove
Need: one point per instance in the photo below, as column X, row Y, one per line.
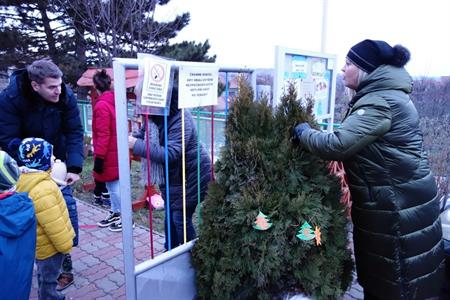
column 98, row 165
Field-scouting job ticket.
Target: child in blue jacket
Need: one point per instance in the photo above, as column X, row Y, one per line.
column 17, row 234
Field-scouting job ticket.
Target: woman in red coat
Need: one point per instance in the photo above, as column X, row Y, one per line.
column 104, row 134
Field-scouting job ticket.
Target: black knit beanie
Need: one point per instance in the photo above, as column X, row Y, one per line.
column 369, row 55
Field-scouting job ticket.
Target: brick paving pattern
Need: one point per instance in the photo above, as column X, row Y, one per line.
column 355, row 292
column 98, row 259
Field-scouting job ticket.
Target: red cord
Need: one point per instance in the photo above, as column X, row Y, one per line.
column 148, row 187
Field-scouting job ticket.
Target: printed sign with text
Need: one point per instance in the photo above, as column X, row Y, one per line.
column 198, row 86
column 156, row 82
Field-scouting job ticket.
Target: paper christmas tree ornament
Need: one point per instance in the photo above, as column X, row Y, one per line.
column 305, row 233
column 262, row 222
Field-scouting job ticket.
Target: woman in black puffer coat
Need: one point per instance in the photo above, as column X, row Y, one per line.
column 397, row 231
column 174, row 148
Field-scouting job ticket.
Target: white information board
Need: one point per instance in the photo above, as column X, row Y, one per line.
column 197, row 85
column 156, row 81
column 314, row 76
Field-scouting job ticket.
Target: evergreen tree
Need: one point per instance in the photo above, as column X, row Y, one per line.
column 187, row 51
column 261, row 170
column 20, row 20
column 34, row 29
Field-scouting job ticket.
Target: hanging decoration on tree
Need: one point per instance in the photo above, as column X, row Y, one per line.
column 258, row 143
column 337, row 169
column 318, row 236
column 262, row 222
column 305, row 233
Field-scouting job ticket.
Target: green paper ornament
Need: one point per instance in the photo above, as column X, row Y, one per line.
column 305, row 233
column 262, row 222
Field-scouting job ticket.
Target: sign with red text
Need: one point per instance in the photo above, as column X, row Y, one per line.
column 156, row 82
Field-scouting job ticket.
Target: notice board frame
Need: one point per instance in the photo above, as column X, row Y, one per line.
column 313, row 74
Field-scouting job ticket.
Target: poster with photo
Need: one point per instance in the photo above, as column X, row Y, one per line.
column 312, row 78
column 321, row 95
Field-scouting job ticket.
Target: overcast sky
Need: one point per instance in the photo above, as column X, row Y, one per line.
column 244, row 33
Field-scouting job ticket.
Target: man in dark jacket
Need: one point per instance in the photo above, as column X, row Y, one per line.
column 397, row 230
column 37, row 104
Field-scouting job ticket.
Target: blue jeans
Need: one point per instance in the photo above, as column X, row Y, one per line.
column 177, row 229
column 113, row 188
column 47, row 272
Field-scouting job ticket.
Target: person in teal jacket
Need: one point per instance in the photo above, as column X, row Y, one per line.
column 397, row 231
column 17, row 234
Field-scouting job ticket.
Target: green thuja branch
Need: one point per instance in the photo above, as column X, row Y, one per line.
column 260, row 170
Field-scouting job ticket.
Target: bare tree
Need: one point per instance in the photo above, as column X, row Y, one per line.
column 123, row 27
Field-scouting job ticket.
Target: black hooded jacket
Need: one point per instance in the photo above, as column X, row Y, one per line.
column 174, row 148
column 24, row 113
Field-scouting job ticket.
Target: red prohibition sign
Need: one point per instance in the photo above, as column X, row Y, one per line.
column 157, row 72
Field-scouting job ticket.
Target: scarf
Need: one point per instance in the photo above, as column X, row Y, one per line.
column 156, row 169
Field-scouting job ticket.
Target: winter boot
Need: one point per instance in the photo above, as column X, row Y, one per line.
column 65, row 280
column 97, row 200
column 106, row 200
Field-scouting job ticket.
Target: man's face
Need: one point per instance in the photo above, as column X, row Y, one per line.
column 50, row 89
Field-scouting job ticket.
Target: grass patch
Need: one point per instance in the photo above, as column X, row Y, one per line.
column 141, row 216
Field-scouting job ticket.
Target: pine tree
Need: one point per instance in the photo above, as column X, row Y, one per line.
column 261, row 170
column 187, row 51
column 34, row 29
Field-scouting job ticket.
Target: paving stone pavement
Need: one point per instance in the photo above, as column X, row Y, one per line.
column 355, row 292
column 98, row 259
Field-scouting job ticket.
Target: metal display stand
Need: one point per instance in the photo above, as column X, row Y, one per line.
column 169, row 275
column 314, row 76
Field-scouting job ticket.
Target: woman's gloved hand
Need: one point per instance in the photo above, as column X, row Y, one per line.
column 298, row 130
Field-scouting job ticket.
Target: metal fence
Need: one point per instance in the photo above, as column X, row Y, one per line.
column 202, row 120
